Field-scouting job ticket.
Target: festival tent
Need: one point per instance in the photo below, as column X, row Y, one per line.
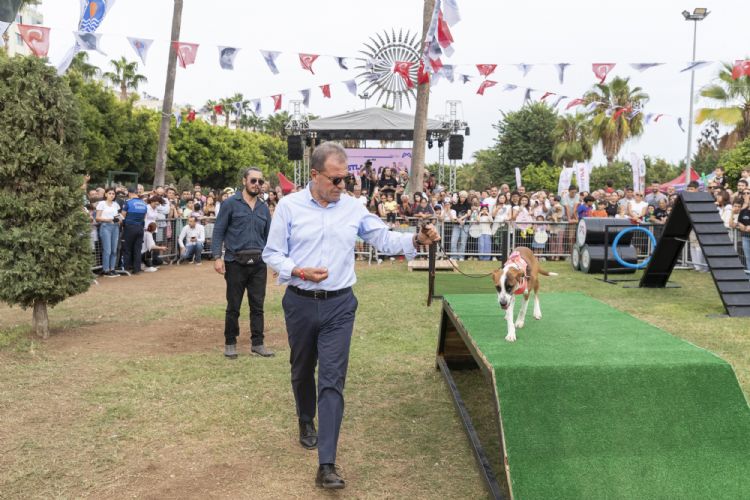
column 679, row 182
column 374, row 124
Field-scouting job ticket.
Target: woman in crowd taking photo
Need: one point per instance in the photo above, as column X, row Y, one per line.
column 209, row 210
column 460, row 230
column 107, row 215
column 150, row 249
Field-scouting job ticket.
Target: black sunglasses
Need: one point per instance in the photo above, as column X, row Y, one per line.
column 260, row 182
column 337, row 180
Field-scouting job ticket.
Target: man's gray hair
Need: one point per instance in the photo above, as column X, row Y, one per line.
column 321, row 153
column 247, row 171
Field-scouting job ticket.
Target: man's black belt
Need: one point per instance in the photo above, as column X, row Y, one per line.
column 319, row 294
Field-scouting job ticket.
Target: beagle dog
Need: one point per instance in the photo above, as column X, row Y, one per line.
column 519, row 275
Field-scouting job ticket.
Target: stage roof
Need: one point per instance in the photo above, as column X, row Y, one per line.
column 374, row 124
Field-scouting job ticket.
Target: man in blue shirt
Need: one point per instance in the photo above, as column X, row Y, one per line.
column 311, row 246
column 134, row 214
column 242, row 230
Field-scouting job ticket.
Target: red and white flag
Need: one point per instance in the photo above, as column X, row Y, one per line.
column 307, row 60
column 601, row 70
column 620, row 111
column 436, row 64
column 485, row 85
column 486, row 69
column 276, row 102
column 326, row 90
column 36, row 37
column 546, row 95
column 422, row 75
column 573, row 103
column 740, row 68
column 402, row 68
column 186, row 53
column 219, row 109
column 444, row 37
column 191, row 115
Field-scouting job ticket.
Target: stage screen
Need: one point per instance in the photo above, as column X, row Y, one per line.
column 397, row 158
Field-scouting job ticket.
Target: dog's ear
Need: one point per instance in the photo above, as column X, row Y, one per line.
column 496, row 276
column 511, row 277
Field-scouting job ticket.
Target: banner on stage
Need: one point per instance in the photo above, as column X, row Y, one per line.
column 396, row 158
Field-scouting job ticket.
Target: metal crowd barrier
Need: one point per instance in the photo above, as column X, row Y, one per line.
column 477, row 241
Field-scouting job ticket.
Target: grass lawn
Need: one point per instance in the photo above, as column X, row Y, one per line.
column 131, row 396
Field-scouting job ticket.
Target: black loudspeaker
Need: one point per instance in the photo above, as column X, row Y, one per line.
column 456, row 147
column 294, row 149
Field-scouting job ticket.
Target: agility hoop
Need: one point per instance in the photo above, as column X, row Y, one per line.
column 617, row 240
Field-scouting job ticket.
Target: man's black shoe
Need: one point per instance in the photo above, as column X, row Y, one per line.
column 308, row 438
column 328, row 478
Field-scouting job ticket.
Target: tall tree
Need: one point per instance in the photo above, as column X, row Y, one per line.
column 125, row 76
column 416, row 177
column 613, row 119
column 210, row 107
column 524, row 138
column 45, row 253
column 166, row 110
column 573, row 140
column 276, row 124
column 732, row 99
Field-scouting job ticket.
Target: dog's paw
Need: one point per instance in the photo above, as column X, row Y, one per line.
column 538, row 316
column 511, row 337
column 519, row 323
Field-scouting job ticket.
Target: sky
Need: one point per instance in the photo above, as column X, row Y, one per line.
column 499, row 32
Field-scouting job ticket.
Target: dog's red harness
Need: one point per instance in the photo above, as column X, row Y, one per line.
column 515, row 260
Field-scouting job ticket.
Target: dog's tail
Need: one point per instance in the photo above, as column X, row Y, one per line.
column 545, row 273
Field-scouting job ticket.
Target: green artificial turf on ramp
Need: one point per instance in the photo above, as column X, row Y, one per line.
column 598, row 404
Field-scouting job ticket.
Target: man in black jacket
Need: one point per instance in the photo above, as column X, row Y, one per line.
column 238, row 239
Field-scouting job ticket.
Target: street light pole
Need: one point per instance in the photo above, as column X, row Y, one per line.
column 697, row 15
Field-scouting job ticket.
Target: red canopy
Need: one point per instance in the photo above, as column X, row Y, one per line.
column 679, row 182
column 286, row 185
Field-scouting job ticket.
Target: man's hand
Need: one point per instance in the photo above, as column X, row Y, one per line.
column 219, row 265
column 314, row 274
column 428, row 235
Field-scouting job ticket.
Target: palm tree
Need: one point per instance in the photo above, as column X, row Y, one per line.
column 125, row 76
column 733, row 100
column 573, row 139
column 80, row 65
column 253, row 122
column 227, row 106
column 614, row 119
column 276, row 124
column 210, row 107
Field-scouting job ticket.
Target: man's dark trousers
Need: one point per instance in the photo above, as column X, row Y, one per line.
column 320, row 331
column 239, row 278
column 133, row 241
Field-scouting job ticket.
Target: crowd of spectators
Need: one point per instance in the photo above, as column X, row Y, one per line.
column 541, row 219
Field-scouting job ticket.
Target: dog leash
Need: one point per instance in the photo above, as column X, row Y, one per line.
column 454, row 266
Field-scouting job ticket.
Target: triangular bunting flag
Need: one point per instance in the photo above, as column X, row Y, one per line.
column 36, row 37
column 186, row 53
column 679, row 124
column 573, row 103
column 307, row 60
column 447, row 72
column 657, row 118
column 436, row 65
column 619, row 112
column 527, row 95
column 644, row 66
column 486, row 69
column 276, row 102
column 270, row 57
column 341, row 61
column 485, row 85
column 509, row 86
column 219, row 109
column 402, row 68
column 465, row 78
column 635, row 113
column 226, row 57
column 305, row 97
column 601, row 70
column 696, row 65
column 256, row 105
column 433, row 50
column 191, row 115
column 546, row 95
column 326, row 90
column 741, row 68
column 592, row 106
column 450, row 11
column 561, row 71
column 88, row 41
column 648, row 117
column 351, row 86
column 444, row 37
column 525, row 68
column 558, row 100
column 140, row 46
